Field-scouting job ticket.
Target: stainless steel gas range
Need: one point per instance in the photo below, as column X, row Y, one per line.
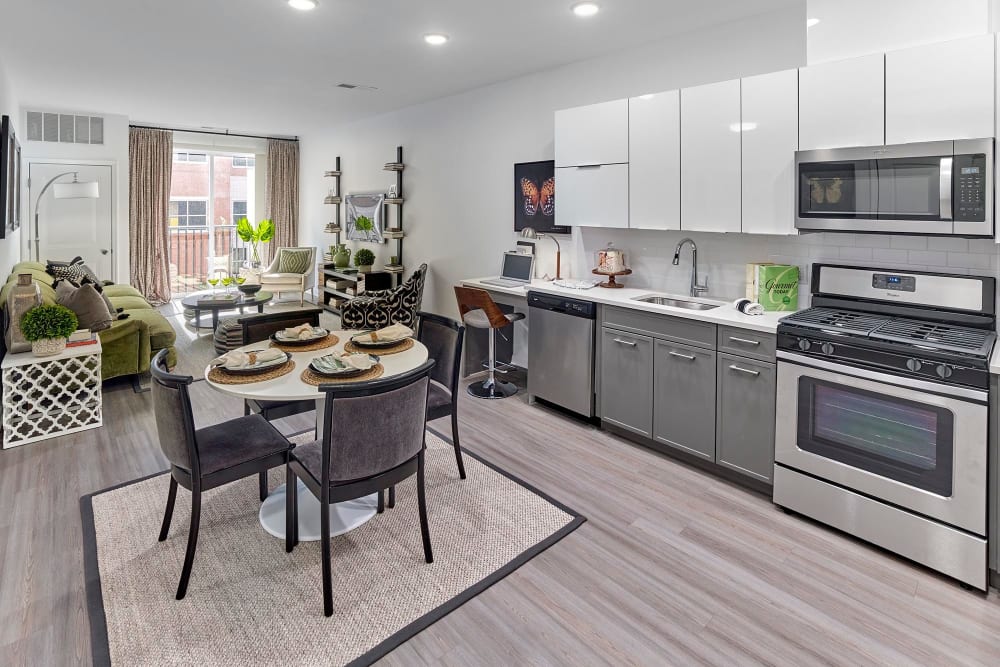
column 882, row 419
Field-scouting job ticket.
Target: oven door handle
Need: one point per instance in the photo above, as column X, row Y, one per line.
column 945, row 188
column 875, row 376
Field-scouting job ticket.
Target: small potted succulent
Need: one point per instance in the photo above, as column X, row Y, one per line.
column 363, row 259
column 48, row 327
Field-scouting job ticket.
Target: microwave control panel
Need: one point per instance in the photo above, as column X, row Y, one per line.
column 970, row 188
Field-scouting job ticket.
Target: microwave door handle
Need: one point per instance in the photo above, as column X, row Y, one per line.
column 945, row 185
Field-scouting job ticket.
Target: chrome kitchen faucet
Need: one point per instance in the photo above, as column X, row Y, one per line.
column 696, row 289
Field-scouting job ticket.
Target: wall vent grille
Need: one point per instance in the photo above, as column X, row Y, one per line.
column 65, row 128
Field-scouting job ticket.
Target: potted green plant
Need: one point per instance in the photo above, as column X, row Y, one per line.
column 363, row 259
column 364, row 224
column 47, row 327
column 262, row 232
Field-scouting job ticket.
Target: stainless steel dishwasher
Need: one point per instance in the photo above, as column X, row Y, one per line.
column 561, row 351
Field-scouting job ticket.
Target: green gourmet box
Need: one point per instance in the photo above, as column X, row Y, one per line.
column 776, row 286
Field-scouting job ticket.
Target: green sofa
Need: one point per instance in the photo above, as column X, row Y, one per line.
column 130, row 344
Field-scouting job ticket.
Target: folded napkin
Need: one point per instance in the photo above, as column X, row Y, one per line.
column 356, row 360
column 391, row 332
column 302, row 332
column 236, row 359
column 748, row 307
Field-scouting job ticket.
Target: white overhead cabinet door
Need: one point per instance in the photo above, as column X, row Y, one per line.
column 770, row 134
column 710, row 157
column 594, row 134
column 655, row 161
column 595, row 196
column 941, row 91
column 842, row 103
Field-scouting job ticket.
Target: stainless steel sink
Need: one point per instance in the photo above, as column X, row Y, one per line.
column 675, row 302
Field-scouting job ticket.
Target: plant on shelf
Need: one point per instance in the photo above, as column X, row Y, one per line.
column 47, row 327
column 363, row 259
column 364, row 224
column 262, row 232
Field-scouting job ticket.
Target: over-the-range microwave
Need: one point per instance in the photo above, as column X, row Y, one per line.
column 933, row 188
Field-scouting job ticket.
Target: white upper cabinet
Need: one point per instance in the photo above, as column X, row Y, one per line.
column 655, row 161
column 842, row 103
column 770, row 135
column 594, row 134
column 592, row 196
column 710, row 157
column 940, row 91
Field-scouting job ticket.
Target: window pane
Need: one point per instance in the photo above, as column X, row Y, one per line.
column 173, row 208
column 197, row 207
column 239, row 209
column 197, row 220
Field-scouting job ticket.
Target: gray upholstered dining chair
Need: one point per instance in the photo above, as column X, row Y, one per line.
column 380, row 429
column 206, row 458
column 443, row 338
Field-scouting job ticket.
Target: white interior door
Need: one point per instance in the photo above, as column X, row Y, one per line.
column 71, row 227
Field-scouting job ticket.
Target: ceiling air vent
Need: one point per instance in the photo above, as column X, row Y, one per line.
column 65, row 128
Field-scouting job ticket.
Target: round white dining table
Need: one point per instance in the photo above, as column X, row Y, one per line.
column 344, row 516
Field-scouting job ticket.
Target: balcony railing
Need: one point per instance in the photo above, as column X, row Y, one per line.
column 198, row 252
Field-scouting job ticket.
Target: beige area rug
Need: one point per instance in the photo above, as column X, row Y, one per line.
column 250, row 603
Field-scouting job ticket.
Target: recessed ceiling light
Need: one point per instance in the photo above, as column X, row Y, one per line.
column 586, row 8
column 811, row 22
column 436, row 38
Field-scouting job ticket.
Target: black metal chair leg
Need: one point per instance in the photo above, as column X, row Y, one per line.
column 168, row 515
column 422, row 505
column 191, row 545
column 392, row 496
column 262, row 483
column 324, row 513
column 458, row 447
column 381, row 502
column 291, row 510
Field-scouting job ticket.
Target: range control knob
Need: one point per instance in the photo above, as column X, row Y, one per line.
column 827, row 348
column 913, row 364
column 804, row 344
column 944, row 371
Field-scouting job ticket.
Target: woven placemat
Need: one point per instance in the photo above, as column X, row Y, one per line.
column 219, row 376
column 315, row 379
column 395, row 349
column 321, row 344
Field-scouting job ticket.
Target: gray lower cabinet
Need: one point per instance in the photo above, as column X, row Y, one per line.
column 745, row 411
column 627, row 381
column 684, row 398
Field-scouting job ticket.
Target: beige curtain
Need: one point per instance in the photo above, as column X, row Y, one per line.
column 283, row 192
column 150, row 158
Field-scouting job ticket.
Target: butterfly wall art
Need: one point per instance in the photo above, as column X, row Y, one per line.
column 535, row 197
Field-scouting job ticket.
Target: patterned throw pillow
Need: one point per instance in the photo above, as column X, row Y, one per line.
column 293, row 260
column 74, row 270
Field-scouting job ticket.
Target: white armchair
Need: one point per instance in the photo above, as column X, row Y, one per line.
column 291, row 270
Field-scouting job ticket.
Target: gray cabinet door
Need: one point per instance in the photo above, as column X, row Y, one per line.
column 627, row 381
column 684, row 398
column 746, row 416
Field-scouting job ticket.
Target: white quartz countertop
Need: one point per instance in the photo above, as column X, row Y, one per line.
column 995, row 360
column 624, row 298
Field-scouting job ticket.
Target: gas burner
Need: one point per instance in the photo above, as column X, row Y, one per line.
column 937, row 336
column 837, row 320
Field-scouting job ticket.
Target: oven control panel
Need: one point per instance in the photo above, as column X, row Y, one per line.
column 970, row 188
column 892, row 281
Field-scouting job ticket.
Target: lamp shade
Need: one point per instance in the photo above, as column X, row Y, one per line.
column 76, row 190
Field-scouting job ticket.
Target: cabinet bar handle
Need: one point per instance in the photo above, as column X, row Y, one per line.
column 624, row 342
column 746, row 341
column 734, row 367
column 689, row 357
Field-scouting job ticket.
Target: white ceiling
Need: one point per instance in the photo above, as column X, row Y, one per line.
column 260, row 66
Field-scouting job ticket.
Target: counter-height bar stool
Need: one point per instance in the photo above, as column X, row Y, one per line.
column 480, row 311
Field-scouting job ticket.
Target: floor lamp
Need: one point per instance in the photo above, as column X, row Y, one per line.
column 74, row 190
column 530, row 233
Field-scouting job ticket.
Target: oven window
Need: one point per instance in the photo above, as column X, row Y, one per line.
column 899, row 439
column 838, row 189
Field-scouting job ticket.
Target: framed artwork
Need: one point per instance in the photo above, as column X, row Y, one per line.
column 10, row 178
column 364, row 216
column 535, row 197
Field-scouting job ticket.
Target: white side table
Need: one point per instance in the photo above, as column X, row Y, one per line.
column 48, row 396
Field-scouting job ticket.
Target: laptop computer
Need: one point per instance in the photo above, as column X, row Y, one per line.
column 516, row 271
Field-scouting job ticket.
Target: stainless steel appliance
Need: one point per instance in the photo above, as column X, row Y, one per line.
column 939, row 187
column 882, row 419
column 561, row 351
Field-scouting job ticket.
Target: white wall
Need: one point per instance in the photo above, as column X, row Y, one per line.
column 10, row 247
column 460, row 150
column 114, row 150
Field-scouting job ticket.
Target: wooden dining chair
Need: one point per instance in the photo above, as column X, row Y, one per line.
column 380, row 430
column 480, row 311
column 206, row 458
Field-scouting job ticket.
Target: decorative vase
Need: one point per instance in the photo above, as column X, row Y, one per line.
column 249, row 288
column 46, row 347
column 22, row 297
column 341, row 256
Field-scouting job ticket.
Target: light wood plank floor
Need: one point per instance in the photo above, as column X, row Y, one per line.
column 673, row 565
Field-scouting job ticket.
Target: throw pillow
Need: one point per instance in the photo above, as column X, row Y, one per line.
column 71, row 270
column 293, row 260
column 89, row 306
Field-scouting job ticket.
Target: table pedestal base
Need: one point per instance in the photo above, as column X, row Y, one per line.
column 344, row 517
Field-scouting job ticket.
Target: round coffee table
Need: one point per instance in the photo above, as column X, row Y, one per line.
column 203, row 301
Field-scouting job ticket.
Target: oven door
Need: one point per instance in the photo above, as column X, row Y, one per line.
column 916, row 444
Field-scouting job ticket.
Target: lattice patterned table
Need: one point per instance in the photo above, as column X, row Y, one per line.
column 48, row 396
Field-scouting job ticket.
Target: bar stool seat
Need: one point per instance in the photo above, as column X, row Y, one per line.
column 480, row 311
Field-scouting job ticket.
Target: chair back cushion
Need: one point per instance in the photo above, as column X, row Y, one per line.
column 294, row 260
column 258, row 328
column 174, row 423
column 443, row 339
column 374, row 434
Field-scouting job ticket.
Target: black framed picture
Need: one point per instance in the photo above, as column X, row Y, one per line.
column 535, row 197
column 10, row 190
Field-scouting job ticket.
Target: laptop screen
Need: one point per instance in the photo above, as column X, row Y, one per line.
column 516, row 266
